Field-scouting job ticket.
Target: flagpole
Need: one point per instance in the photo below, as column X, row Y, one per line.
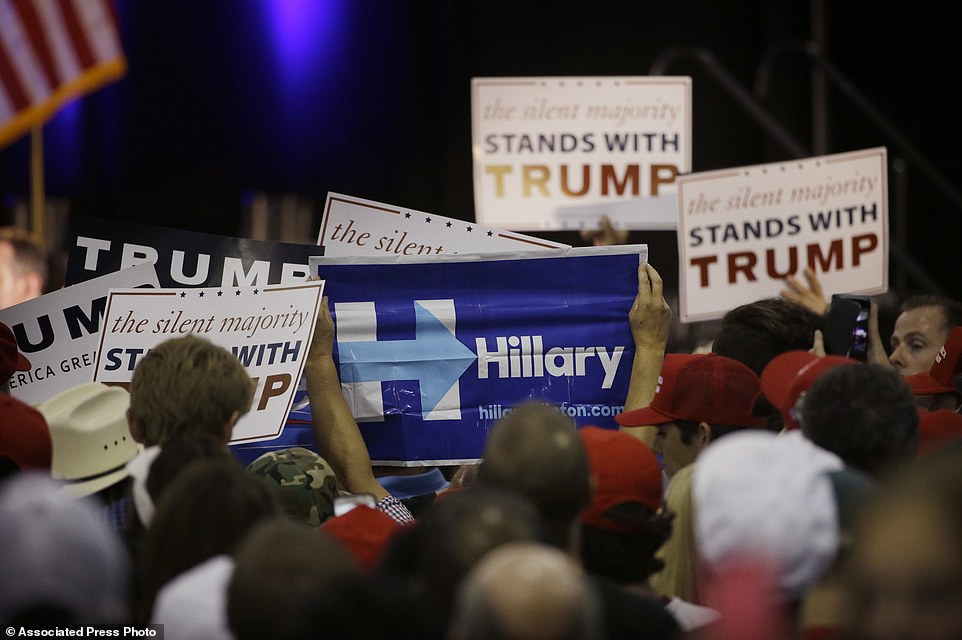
column 37, row 212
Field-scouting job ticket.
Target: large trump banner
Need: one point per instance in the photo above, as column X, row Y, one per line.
column 432, row 353
column 183, row 258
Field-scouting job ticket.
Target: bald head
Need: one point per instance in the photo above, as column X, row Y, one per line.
column 535, row 451
column 526, row 591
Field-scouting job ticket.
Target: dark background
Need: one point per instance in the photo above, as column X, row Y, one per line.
column 227, row 98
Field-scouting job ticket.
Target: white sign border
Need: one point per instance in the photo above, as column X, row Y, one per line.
column 882, row 154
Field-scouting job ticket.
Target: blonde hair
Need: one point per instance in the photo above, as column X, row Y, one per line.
column 679, row 577
column 188, row 386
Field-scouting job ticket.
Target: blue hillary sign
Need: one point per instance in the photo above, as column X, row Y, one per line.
column 432, row 353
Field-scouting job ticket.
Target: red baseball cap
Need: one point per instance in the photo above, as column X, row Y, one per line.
column 790, row 374
column 11, row 360
column 364, row 532
column 24, row 435
column 947, row 365
column 704, row 387
column 624, row 469
column 937, row 429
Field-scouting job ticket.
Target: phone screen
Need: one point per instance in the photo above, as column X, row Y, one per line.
column 858, row 349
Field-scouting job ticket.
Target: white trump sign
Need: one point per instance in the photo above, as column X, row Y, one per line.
column 742, row 231
column 545, row 148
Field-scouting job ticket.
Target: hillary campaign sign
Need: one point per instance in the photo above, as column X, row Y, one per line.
column 357, row 227
column 549, row 150
column 742, row 231
column 59, row 332
column 183, row 258
column 432, row 353
column 269, row 329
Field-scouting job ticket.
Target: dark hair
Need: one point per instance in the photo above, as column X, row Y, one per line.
column 462, row 527
column 951, row 309
column 278, row 564
column 204, row 512
column 8, row 467
column 44, row 616
column 354, row 606
column 866, row 414
column 688, row 429
column 755, row 333
column 177, row 455
column 626, row 557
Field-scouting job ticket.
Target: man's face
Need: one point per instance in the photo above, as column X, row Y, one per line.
column 675, row 453
column 8, row 279
column 14, row 287
column 919, row 334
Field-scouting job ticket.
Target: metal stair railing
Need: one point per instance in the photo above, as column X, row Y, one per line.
column 848, row 89
column 744, row 98
column 900, row 141
column 772, row 127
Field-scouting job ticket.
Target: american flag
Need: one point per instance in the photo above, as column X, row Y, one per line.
column 52, row 51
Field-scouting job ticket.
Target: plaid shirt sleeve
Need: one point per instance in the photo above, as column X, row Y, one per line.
column 115, row 513
column 395, row 509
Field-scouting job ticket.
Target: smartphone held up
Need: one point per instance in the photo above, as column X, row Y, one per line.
column 846, row 330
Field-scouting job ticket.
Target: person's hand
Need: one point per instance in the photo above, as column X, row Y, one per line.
column 323, row 344
column 810, row 297
column 650, row 315
column 606, row 235
column 818, row 346
column 650, row 321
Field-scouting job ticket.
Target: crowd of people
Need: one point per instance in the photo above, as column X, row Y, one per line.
column 764, row 490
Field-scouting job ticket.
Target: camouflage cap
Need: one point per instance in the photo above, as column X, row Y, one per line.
column 301, row 482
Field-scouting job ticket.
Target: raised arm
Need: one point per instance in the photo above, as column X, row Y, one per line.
column 650, row 319
column 335, row 430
